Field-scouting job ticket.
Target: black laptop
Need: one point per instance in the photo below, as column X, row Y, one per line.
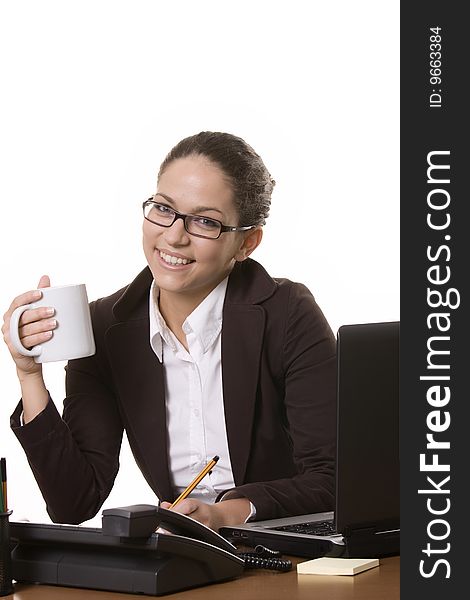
column 366, row 520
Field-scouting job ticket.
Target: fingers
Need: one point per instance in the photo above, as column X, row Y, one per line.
column 35, row 314
column 206, row 514
column 22, row 299
column 35, row 325
column 30, row 315
column 28, row 298
column 37, row 332
column 44, row 282
column 185, row 507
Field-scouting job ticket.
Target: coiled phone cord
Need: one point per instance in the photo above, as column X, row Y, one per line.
column 265, row 558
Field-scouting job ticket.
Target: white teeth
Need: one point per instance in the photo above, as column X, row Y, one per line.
column 172, row 260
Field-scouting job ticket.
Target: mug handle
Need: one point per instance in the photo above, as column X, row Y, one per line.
column 14, row 335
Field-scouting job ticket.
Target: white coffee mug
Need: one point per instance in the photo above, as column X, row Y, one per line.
column 73, row 335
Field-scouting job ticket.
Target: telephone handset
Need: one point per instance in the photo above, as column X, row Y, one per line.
column 141, row 520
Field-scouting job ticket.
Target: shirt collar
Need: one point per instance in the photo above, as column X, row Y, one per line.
column 204, row 323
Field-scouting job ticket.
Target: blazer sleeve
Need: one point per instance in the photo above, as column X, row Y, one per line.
column 75, row 458
column 307, row 390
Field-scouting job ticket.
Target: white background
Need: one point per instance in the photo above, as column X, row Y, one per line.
column 94, row 94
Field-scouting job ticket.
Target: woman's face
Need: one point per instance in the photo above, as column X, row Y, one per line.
column 193, row 185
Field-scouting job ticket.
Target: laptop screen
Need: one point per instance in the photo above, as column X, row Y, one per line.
column 367, row 469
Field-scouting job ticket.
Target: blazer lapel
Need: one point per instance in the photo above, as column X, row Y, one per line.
column 242, row 339
column 139, row 378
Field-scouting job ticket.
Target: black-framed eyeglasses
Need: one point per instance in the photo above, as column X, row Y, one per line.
column 197, row 225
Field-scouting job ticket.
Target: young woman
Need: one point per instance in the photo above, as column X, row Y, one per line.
column 202, row 354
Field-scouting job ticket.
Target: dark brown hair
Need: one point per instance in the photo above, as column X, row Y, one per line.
column 243, row 168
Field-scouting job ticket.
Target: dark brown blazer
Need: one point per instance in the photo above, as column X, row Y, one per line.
column 279, row 381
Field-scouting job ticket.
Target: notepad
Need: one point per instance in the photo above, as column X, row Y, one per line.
column 336, row 566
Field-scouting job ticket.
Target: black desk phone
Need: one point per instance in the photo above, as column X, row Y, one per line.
column 143, row 549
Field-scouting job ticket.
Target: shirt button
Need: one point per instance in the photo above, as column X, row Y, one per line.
column 196, row 412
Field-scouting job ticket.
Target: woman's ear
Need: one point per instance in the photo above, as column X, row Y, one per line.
column 252, row 239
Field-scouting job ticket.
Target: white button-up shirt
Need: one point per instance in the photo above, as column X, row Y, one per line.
column 194, row 396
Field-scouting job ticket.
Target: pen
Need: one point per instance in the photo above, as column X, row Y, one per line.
column 195, row 481
column 3, row 496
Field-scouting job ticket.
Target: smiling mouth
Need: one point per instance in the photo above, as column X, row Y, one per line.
column 173, row 260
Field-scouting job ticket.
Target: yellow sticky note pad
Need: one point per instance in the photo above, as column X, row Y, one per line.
column 336, row 566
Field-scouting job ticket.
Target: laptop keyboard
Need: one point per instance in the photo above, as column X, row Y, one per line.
column 313, row 528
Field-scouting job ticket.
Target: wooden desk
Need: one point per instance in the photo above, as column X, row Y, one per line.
column 380, row 583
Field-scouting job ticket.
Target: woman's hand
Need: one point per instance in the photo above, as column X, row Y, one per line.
column 35, row 327
column 220, row 514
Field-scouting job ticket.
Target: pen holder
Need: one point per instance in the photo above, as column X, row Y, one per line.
column 6, row 581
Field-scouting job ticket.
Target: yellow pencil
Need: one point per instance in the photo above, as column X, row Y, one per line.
column 195, row 481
